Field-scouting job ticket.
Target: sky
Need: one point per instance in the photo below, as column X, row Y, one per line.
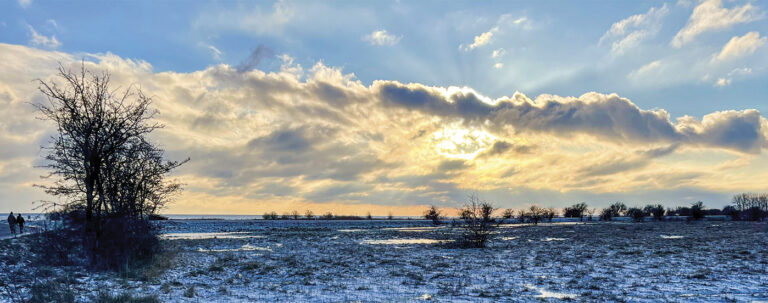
column 389, row 106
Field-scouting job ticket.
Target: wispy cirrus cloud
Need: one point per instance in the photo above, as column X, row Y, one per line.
column 628, row 33
column 710, row 15
column 37, row 39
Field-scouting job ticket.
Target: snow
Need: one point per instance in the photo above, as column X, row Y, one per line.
column 408, row 261
column 403, row 241
column 213, row 235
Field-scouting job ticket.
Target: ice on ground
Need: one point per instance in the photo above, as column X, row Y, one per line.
column 403, row 241
column 550, row 294
column 671, row 237
column 350, row 230
column 413, row 229
column 246, row 247
column 509, row 238
column 553, row 239
column 202, row 236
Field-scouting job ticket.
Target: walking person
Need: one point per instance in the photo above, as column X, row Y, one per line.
column 20, row 222
column 12, row 224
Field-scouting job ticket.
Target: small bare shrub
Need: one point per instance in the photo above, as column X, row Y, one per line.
column 478, row 220
column 309, row 214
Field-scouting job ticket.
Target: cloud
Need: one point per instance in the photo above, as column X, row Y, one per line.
column 25, row 3
column 721, row 82
column 741, row 46
column 710, row 15
column 321, row 138
column 498, row 53
column 498, row 65
column 645, row 70
column 40, row 40
column 504, row 21
column 728, row 78
column 215, row 52
column 628, row 33
column 381, row 37
column 252, row 20
column 254, row 58
column 479, row 41
column 608, row 117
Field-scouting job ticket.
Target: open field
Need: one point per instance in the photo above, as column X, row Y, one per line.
column 409, row 260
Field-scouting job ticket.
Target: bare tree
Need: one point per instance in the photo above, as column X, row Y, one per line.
column 478, row 221
column 295, row 214
column 100, row 160
column 309, row 214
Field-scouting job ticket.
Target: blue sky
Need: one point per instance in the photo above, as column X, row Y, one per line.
column 684, row 58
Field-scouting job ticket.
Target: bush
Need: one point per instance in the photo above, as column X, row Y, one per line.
column 753, row 207
column 124, row 298
column 433, row 214
column 270, row 216
column 121, row 243
column 615, row 210
column 125, row 243
column 328, row 216
column 636, row 214
column 508, row 214
column 575, row 211
column 697, row 210
column 657, row 211
column 309, row 214
column 732, row 212
column 478, row 222
column 534, row 214
column 58, row 290
column 683, row 211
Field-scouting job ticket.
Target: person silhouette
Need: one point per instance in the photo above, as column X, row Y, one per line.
column 12, row 224
column 20, row 222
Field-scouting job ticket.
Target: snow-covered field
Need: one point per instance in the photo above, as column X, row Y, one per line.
column 410, row 261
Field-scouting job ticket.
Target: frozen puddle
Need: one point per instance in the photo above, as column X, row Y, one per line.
column 201, row 236
column 509, row 238
column 403, row 241
column 549, row 294
column 671, row 237
column 412, row 229
column 350, row 230
column 246, row 247
column 553, row 239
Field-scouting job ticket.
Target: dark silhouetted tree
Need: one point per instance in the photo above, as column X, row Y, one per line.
column 697, row 210
column 655, row 210
column 575, row 211
column 101, row 161
column 433, row 214
column 636, row 214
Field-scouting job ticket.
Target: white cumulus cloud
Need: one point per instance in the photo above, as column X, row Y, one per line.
column 381, row 37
